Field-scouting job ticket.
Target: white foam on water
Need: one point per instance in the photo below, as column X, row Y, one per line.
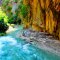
column 25, row 48
column 7, row 40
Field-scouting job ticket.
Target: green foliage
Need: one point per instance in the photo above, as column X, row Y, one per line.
column 8, row 8
column 5, row 3
column 3, row 26
column 11, row 21
column 14, row 19
column 3, row 16
column 24, row 10
column 15, row 1
column 3, row 21
column 2, row 34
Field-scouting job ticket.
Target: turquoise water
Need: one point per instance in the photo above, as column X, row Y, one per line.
column 18, row 49
column 12, row 48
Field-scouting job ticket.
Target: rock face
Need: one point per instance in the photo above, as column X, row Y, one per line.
column 45, row 14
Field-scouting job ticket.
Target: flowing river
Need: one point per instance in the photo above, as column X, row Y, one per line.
column 12, row 48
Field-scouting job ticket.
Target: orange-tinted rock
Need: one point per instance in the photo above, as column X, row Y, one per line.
column 46, row 13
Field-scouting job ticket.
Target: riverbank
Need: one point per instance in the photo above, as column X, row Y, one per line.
column 41, row 40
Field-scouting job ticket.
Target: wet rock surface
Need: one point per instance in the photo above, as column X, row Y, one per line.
column 41, row 40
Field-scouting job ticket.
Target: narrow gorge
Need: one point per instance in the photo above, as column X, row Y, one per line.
column 45, row 15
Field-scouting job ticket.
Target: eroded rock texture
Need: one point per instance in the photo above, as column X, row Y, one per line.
column 46, row 14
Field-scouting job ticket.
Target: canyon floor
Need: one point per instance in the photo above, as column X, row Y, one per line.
column 41, row 40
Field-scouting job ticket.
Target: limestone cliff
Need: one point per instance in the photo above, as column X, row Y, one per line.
column 46, row 14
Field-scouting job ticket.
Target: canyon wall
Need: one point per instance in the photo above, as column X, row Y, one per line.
column 46, row 14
